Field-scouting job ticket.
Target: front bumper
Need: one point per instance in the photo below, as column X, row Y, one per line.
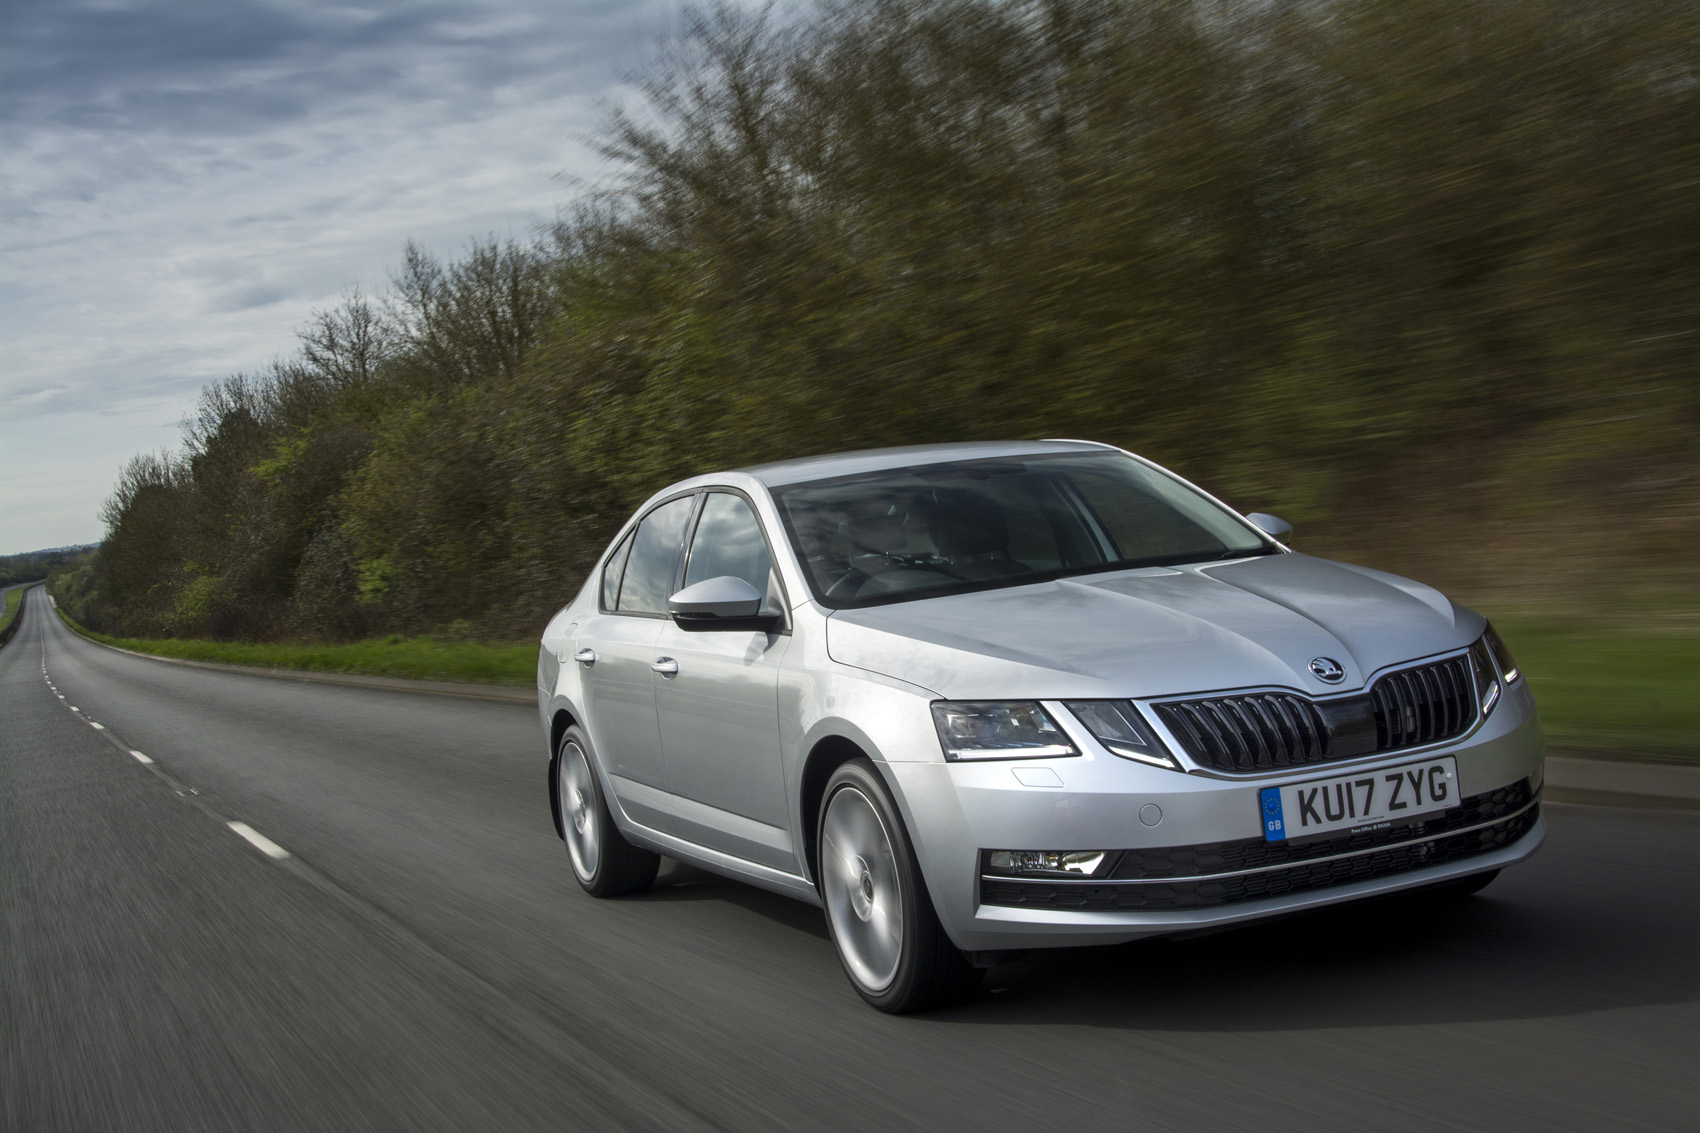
column 1190, row 850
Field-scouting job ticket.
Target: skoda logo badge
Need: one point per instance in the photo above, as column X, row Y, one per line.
column 1328, row 669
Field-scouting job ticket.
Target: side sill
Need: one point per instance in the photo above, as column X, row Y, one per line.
column 737, row 869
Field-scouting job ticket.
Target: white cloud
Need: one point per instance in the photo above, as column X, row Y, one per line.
column 185, row 183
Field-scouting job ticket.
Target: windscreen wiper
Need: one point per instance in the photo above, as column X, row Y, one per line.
column 1233, row 554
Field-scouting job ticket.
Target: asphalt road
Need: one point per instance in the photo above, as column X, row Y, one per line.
column 422, row 959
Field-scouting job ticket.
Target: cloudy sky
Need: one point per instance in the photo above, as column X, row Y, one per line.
column 183, row 182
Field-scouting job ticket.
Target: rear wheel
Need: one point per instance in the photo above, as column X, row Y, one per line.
column 889, row 939
column 604, row 863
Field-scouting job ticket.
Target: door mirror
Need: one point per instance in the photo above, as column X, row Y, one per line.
column 1273, row 526
column 725, row 602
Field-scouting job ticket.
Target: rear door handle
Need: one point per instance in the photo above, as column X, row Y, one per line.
column 585, row 656
column 666, row 666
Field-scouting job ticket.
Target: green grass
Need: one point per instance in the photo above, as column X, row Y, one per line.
column 1612, row 689
column 416, row 658
column 13, row 597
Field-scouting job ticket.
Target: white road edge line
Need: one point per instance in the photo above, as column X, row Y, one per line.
column 260, row 842
column 140, row 758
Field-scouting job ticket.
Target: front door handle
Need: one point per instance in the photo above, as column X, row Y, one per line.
column 585, row 656
column 666, row 666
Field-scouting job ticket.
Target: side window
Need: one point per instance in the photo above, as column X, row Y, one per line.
column 728, row 541
column 655, row 556
column 611, row 573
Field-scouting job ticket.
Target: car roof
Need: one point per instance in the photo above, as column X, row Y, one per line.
column 878, row 459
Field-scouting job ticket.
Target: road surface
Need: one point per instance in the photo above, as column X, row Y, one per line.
column 420, row 957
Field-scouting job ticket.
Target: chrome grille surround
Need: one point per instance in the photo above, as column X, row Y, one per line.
column 1411, row 706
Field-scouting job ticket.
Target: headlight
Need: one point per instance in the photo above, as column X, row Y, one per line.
column 1118, row 725
column 1487, row 678
column 1014, row 729
column 1501, row 655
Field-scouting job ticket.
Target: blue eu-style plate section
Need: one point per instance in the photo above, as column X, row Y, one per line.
column 1274, row 822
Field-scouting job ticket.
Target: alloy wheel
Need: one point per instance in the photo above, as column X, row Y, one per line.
column 864, row 896
column 579, row 818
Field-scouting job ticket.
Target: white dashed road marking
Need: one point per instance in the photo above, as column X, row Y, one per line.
column 253, row 837
column 260, row 842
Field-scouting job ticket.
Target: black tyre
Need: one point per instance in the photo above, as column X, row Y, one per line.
column 605, row 864
column 888, row 936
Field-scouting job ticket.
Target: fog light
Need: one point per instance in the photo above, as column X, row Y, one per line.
column 1080, row 862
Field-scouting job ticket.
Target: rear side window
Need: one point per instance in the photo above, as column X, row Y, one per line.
column 611, row 574
column 654, row 560
column 728, row 542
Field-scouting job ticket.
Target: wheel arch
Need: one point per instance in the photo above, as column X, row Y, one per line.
column 827, row 755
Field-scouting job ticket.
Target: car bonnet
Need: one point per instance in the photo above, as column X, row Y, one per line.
column 1156, row 632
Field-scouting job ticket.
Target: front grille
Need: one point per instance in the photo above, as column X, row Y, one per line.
column 1267, row 731
column 1423, row 705
column 1298, row 866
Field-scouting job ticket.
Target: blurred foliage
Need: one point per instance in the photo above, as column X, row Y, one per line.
column 1613, row 687
column 1421, row 276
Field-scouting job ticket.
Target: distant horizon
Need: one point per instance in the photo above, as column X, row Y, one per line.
column 53, row 550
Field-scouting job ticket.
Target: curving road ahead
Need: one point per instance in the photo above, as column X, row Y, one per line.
column 422, row 959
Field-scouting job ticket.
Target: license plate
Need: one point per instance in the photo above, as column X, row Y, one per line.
column 1365, row 800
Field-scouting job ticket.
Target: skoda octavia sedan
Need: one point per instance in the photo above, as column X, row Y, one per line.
column 983, row 698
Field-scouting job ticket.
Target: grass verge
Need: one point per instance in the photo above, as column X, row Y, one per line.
column 414, row 658
column 13, row 597
column 1611, row 689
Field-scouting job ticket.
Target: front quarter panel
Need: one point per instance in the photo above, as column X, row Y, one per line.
column 821, row 701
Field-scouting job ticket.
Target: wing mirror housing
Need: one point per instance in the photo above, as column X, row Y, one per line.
column 726, row 602
column 1273, row 526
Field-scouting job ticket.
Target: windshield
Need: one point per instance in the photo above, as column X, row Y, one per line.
column 935, row 529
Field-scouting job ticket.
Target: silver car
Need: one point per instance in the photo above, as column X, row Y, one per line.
column 981, row 698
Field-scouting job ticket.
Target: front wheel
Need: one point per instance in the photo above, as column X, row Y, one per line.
column 889, row 939
column 604, row 863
